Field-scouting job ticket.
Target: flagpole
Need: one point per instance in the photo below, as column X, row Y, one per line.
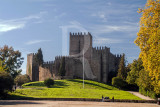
column 83, row 68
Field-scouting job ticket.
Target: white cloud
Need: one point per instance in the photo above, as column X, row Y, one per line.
column 101, row 15
column 19, row 23
column 36, row 41
column 60, row 15
column 8, row 27
column 100, row 29
column 75, row 23
column 100, row 41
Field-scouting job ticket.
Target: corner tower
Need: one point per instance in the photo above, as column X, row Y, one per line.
column 32, row 68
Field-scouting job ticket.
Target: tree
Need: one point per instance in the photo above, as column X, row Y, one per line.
column 6, row 83
column 21, row 79
column 39, row 57
column 122, row 68
column 148, row 40
column 12, row 59
column 48, row 82
column 119, row 82
column 62, row 70
column 133, row 75
column 144, row 80
column 2, row 67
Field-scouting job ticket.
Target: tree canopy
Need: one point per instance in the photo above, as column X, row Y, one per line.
column 2, row 67
column 133, row 75
column 39, row 57
column 148, row 40
column 122, row 68
column 12, row 60
column 62, row 70
column 21, row 79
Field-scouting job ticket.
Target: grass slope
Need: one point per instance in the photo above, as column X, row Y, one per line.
column 72, row 88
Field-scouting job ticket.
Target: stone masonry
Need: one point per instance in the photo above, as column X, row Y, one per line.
column 98, row 61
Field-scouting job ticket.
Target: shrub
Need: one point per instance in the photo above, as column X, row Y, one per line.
column 149, row 93
column 111, row 75
column 21, row 79
column 119, row 82
column 62, row 70
column 6, row 82
column 48, row 82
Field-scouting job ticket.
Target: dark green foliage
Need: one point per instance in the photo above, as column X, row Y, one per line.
column 133, row 75
column 122, row 68
column 12, row 59
column 6, row 82
column 151, row 94
column 111, row 75
column 39, row 57
column 48, row 82
column 131, row 87
column 62, row 70
column 138, row 77
column 119, row 82
column 21, row 79
column 144, row 80
column 145, row 84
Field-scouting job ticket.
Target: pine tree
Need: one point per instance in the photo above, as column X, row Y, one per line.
column 62, row 70
column 148, row 40
column 39, row 57
column 122, row 68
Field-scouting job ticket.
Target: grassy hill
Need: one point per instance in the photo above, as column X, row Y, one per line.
column 72, row 88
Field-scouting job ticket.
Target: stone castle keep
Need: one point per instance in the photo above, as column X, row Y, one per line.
column 98, row 62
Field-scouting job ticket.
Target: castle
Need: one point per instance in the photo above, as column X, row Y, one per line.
column 97, row 62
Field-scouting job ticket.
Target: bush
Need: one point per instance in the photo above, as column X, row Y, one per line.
column 6, row 83
column 48, row 82
column 151, row 94
column 21, row 79
column 111, row 75
column 119, row 83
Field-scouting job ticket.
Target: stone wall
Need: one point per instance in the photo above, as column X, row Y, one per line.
column 44, row 73
column 47, row 71
column 98, row 61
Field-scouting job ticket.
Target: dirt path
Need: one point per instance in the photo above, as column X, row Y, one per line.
column 43, row 103
column 140, row 95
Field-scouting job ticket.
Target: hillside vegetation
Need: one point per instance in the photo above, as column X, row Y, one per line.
column 72, row 88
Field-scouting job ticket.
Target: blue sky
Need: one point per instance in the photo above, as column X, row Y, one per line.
column 28, row 25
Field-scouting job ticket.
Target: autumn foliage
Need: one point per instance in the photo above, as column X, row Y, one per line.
column 148, row 40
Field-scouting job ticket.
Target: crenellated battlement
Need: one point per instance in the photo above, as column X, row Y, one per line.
column 100, row 49
column 49, row 62
column 79, row 34
column 60, row 57
column 30, row 54
column 99, row 61
column 118, row 55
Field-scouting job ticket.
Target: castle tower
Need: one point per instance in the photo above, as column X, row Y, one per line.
column 32, row 68
column 29, row 65
column 80, row 42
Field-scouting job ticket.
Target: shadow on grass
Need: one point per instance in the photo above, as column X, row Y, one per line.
column 59, row 84
column 36, row 84
column 79, row 81
column 15, row 97
column 16, row 102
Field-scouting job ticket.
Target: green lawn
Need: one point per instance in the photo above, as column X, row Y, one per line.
column 72, row 88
